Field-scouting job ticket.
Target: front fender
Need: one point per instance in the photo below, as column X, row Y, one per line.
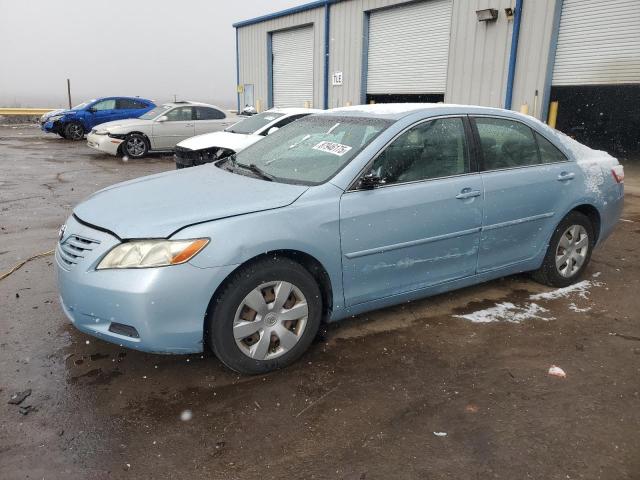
column 310, row 225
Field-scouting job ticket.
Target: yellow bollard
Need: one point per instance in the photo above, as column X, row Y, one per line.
column 524, row 108
column 553, row 114
column 307, row 104
column 258, row 105
column 347, row 104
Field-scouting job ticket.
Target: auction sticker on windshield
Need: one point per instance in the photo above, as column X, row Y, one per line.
column 333, row 148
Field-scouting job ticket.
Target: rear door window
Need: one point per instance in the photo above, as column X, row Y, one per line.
column 207, row 113
column 506, row 143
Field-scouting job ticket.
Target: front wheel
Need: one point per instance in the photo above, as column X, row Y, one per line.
column 266, row 316
column 568, row 253
column 135, row 146
column 73, row 131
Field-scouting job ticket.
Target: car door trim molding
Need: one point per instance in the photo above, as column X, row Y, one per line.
column 412, row 243
column 518, row 221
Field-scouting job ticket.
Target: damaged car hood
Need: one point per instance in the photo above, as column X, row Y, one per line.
column 158, row 205
column 228, row 140
column 129, row 122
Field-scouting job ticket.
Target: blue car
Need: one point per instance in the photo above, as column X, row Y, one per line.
column 333, row 215
column 73, row 124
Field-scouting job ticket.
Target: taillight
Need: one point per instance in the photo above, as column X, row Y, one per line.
column 618, row 173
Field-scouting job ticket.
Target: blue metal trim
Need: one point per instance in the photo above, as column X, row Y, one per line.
column 518, row 221
column 412, row 243
column 551, row 61
column 365, row 58
column 237, row 70
column 269, row 70
column 514, row 54
column 283, row 13
column 327, row 20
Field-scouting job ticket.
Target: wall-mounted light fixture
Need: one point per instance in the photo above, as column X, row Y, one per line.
column 509, row 12
column 487, row 15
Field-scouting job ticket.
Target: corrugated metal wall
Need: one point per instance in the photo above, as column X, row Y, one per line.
column 346, row 43
column 252, row 49
column 599, row 43
column 479, row 54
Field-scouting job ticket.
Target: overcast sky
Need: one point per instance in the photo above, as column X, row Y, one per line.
column 151, row 48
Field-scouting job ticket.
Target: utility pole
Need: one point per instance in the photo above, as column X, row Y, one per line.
column 69, row 93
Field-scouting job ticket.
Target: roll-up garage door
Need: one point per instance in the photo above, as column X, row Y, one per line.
column 598, row 43
column 409, row 48
column 293, row 67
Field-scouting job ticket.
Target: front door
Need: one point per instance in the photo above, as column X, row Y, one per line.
column 421, row 226
column 102, row 112
column 528, row 185
column 179, row 125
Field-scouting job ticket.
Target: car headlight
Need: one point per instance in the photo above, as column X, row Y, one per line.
column 54, row 118
column 152, row 253
column 120, row 136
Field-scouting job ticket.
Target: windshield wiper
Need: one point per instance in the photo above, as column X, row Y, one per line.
column 257, row 170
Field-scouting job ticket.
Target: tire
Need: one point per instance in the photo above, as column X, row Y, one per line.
column 73, row 131
column 135, row 146
column 180, row 166
column 264, row 284
column 565, row 261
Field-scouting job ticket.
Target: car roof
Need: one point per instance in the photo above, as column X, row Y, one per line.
column 396, row 111
column 294, row 110
column 182, row 103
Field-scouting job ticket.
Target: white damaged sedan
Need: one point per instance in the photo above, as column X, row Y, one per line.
column 215, row 146
column 159, row 129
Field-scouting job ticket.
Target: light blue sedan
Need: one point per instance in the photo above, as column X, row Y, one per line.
column 336, row 214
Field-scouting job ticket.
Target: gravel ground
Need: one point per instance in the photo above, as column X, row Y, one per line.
column 416, row 391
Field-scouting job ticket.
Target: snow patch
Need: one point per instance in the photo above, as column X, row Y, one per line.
column 581, row 288
column 577, row 309
column 507, row 312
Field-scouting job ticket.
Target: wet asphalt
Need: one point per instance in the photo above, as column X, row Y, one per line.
column 410, row 392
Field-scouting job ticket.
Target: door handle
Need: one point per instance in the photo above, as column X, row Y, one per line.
column 566, row 176
column 468, row 193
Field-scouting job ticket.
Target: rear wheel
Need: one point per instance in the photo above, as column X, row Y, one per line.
column 135, row 146
column 569, row 251
column 73, row 131
column 266, row 316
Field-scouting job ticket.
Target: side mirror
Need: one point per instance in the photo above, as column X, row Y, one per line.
column 92, row 110
column 163, row 118
column 371, row 181
column 272, row 130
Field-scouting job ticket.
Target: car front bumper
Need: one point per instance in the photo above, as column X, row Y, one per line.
column 104, row 143
column 166, row 306
column 51, row 127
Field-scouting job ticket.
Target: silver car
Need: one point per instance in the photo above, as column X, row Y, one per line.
column 159, row 129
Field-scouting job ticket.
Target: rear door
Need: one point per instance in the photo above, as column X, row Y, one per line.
column 209, row 119
column 422, row 226
column 179, row 125
column 528, row 184
column 129, row 108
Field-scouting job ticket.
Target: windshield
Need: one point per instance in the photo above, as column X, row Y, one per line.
column 151, row 114
column 254, row 123
column 311, row 150
column 82, row 105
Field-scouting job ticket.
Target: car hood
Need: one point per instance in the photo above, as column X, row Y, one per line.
column 126, row 123
column 232, row 141
column 158, row 205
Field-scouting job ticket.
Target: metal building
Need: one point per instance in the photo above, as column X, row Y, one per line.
column 519, row 54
